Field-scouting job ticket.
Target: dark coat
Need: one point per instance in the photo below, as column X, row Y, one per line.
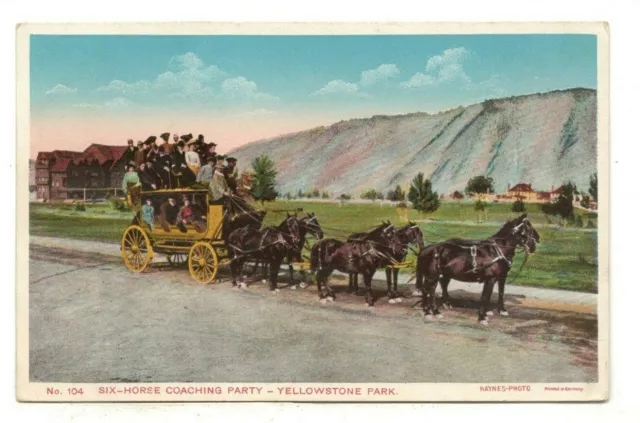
column 169, row 213
column 130, row 156
column 147, row 178
column 177, row 160
column 141, row 156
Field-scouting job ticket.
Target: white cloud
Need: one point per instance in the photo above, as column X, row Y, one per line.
column 60, row 89
column 381, row 73
column 188, row 77
column 440, row 69
column 337, row 86
column 448, row 57
column 419, row 80
column 242, row 88
column 118, row 103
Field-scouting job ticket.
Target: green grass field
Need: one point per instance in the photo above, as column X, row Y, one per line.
column 565, row 259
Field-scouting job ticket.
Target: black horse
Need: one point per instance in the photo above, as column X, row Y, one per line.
column 309, row 224
column 483, row 261
column 365, row 256
column 271, row 245
column 408, row 235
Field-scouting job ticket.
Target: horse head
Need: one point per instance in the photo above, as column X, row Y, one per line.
column 291, row 227
column 411, row 234
column 524, row 233
column 311, row 224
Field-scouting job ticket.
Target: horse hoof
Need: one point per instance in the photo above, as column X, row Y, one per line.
column 447, row 306
column 323, row 301
column 416, row 293
column 489, row 313
column 294, row 287
column 428, row 317
column 484, row 322
column 392, row 301
column 264, row 281
column 243, row 285
column 303, row 285
column 330, row 299
column 439, row 315
column 398, row 300
column 367, row 304
column 504, row 313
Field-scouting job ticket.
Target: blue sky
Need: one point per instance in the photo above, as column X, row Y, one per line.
column 266, row 74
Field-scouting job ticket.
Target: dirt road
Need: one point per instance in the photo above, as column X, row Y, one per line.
column 91, row 320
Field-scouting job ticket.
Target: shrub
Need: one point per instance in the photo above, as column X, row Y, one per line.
column 402, row 205
column 518, row 206
column 345, row 197
column 578, row 222
column 80, row 207
column 590, row 224
column 117, row 203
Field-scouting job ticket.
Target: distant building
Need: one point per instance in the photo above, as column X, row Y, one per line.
column 522, row 192
column 98, row 166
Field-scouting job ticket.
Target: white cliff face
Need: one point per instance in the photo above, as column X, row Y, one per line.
column 542, row 139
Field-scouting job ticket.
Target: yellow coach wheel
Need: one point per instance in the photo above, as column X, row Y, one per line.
column 203, row 262
column 136, row 249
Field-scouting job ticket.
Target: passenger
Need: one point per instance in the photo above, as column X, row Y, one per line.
column 130, row 154
column 192, row 158
column 186, row 216
column 168, row 213
column 206, row 172
column 165, row 141
column 148, row 213
column 131, row 186
column 163, row 168
column 218, row 187
column 147, row 180
column 179, row 167
column 231, row 173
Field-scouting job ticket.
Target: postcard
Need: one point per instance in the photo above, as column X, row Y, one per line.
column 305, row 212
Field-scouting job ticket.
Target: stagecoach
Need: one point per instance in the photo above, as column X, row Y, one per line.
column 202, row 250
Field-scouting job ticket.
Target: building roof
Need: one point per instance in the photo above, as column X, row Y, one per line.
column 61, row 164
column 521, row 187
column 558, row 190
column 105, row 153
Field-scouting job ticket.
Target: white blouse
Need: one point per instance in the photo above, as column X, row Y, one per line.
column 192, row 158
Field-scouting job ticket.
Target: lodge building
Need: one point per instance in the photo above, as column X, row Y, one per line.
column 98, row 166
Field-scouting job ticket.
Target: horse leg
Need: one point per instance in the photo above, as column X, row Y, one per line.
column 274, row 267
column 428, row 292
column 503, row 311
column 265, row 269
column 389, row 275
column 369, row 300
column 487, row 290
column 395, row 285
column 446, row 300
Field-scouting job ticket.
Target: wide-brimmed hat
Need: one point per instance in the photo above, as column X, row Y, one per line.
column 201, row 138
column 150, row 140
column 139, row 142
column 191, row 142
column 232, row 159
column 211, row 159
column 186, row 138
column 180, row 143
column 129, row 141
column 165, row 136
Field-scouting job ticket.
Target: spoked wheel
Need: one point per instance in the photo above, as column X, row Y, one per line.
column 203, row 262
column 136, row 249
column 177, row 260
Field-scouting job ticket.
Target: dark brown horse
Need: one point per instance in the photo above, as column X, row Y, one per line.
column 309, row 224
column 271, row 245
column 483, row 261
column 408, row 235
column 364, row 256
